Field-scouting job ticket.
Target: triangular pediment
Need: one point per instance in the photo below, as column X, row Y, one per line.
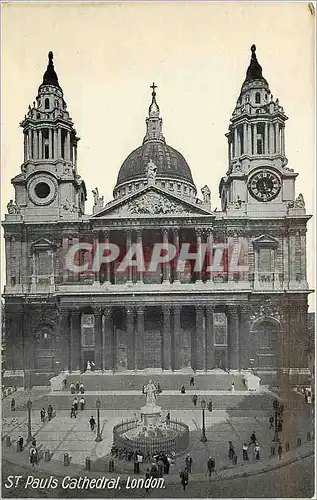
column 150, row 200
column 42, row 244
column 265, row 240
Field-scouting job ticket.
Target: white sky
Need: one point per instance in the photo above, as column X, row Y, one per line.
column 107, row 55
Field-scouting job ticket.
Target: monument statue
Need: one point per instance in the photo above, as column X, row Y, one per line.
column 151, row 170
column 151, row 392
column 12, row 208
column 98, row 200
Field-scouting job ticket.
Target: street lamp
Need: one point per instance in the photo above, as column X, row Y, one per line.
column 98, row 437
column 278, row 419
column 203, row 407
column 29, row 407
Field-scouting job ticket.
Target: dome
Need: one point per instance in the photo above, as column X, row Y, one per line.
column 170, row 163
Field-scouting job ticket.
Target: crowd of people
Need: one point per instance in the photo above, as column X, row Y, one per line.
column 161, row 460
column 77, row 405
column 77, row 388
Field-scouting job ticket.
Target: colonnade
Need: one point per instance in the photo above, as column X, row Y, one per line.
column 246, row 135
column 49, row 143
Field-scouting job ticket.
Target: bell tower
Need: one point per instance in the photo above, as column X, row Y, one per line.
column 258, row 179
column 49, row 186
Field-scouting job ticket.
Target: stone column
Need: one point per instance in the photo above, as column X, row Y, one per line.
column 292, row 255
column 167, row 338
column 210, row 348
column 107, row 265
column 55, row 144
column 50, row 144
column 97, row 271
column 249, row 139
column 176, row 244
column 30, row 142
column 209, row 255
column 128, row 245
column 108, row 351
column 199, row 254
column 277, row 138
column 271, row 138
column 255, row 138
column 140, row 242
column 139, row 341
column 303, row 272
column 266, row 138
column 245, row 138
column 283, row 140
column 236, row 144
column 59, row 140
column 130, row 338
column 68, row 146
column 8, row 258
column 233, row 338
column 40, row 145
column 75, row 155
column 166, row 265
column 200, row 361
column 25, row 146
column 75, row 340
column 177, row 334
column 98, row 338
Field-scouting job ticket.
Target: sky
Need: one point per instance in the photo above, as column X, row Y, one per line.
column 107, row 55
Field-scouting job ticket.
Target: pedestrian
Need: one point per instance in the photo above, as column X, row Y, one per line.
column 154, row 472
column 82, row 403
column 33, row 456
column 72, row 388
column 73, row 412
column 50, row 412
column 257, row 451
column 77, row 386
column 147, row 476
column 158, row 387
column 191, row 382
column 42, row 413
column 184, row 478
column 211, row 465
column 183, row 390
column 210, row 405
column 143, row 389
column 245, row 452
column 194, row 399
column 309, row 399
column 81, row 388
column 231, row 451
column 279, row 451
column 160, row 466
column 20, row 443
column 253, row 438
column 75, row 404
column 232, row 387
column 306, row 396
column 92, row 423
column 33, row 443
column 12, row 404
column 188, row 463
column 234, row 458
column 271, row 420
column 168, row 418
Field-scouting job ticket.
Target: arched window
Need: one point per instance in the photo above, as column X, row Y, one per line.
column 47, row 103
column 257, row 98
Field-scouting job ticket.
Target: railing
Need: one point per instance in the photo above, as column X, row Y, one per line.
column 177, row 443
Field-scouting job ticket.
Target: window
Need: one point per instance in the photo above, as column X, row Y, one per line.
column 137, row 186
column 47, row 103
column 266, row 260
column 220, row 328
column 257, row 98
column 247, row 98
column 178, row 187
column 88, row 330
column 259, row 146
column 163, row 184
column 185, row 189
column 46, row 152
column 171, row 185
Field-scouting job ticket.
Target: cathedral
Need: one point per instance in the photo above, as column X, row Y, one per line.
column 232, row 296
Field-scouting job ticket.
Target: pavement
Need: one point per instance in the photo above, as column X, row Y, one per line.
column 235, row 416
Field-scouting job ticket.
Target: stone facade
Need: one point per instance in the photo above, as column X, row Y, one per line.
column 170, row 318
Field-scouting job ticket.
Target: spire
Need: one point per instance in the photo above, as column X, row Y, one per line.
column 154, row 122
column 254, row 71
column 50, row 76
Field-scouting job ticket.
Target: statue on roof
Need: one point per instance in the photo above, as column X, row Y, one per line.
column 98, row 200
column 151, row 170
column 206, row 194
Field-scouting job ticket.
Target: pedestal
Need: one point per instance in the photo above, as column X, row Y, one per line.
column 150, row 414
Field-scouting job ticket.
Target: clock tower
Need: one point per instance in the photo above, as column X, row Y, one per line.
column 258, row 180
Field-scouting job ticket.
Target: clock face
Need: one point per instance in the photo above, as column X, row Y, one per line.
column 264, row 185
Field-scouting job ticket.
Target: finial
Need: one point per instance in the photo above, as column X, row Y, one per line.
column 253, row 49
column 50, row 57
column 153, row 87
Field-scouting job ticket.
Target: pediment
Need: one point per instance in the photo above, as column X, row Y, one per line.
column 265, row 240
column 42, row 244
column 150, row 201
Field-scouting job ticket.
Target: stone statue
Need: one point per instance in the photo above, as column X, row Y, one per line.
column 69, row 207
column 151, row 392
column 299, row 202
column 89, row 366
column 12, row 208
column 151, row 170
column 98, row 200
column 206, row 194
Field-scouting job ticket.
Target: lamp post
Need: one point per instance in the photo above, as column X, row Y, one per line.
column 278, row 420
column 203, row 407
column 29, row 407
column 98, row 437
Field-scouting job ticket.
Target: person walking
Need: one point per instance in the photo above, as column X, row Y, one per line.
column 92, row 423
column 211, row 465
column 33, row 456
column 245, row 452
column 12, row 404
column 188, row 463
column 50, row 412
column 253, row 438
column 194, row 399
column 73, row 412
column 232, row 387
column 191, row 382
column 81, row 388
column 183, row 390
column 42, row 413
column 72, row 388
column 77, row 386
column 279, row 451
column 20, row 443
column 271, row 421
column 257, row 451
column 75, row 404
column 184, row 478
column 210, row 406
column 168, row 418
column 231, row 451
column 82, row 403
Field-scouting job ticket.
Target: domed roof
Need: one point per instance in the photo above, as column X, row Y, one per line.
column 170, row 163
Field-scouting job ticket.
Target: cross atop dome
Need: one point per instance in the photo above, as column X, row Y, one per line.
column 154, row 122
column 154, row 110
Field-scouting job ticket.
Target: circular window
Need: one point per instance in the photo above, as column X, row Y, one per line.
column 42, row 190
